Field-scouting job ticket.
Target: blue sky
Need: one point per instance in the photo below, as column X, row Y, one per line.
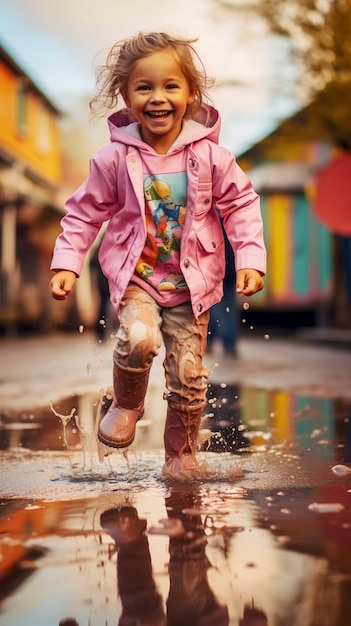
column 56, row 42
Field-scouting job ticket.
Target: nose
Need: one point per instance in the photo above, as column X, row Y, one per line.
column 157, row 95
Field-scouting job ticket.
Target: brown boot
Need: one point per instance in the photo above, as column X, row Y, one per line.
column 180, row 436
column 117, row 427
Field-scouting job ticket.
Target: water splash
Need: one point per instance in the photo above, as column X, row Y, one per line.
column 64, row 421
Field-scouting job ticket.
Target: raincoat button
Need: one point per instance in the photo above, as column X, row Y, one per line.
column 199, row 307
column 207, row 201
column 186, row 263
column 213, row 244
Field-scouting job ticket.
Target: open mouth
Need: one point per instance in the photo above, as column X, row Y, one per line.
column 158, row 115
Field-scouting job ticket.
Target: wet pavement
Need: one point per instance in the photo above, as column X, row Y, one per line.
column 262, row 537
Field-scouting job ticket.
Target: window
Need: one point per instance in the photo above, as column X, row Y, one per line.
column 22, row 92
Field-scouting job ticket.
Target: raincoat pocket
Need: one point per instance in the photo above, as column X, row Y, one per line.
column 117, row 251
column 210, row 255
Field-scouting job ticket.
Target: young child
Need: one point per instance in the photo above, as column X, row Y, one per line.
column 157, row 184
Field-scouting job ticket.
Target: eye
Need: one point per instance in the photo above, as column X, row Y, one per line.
column 172, row 86
column 143, row 88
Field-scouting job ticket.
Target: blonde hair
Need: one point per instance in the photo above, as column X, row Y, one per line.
column 112, row 77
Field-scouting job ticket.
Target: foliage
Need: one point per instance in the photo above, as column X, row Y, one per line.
column 320, row 36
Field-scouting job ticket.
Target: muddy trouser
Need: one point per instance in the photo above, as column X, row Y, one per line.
column 142, row 326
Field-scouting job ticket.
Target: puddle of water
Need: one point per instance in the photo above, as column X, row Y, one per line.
column 271, row 437
column 241, row 420
column 187, row 554
column 264, row 538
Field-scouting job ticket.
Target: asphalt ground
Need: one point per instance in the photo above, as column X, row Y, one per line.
column 35, row 370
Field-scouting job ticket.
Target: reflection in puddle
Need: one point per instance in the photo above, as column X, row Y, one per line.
column 252, row 419
column 266, row 544
column 180, row 555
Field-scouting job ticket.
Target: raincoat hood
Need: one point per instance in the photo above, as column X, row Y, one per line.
column 205, row 124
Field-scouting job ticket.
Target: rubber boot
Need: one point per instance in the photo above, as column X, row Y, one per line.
column 180, row 436
column 117, row 427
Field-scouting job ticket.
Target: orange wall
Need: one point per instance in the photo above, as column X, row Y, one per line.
column 38, row 145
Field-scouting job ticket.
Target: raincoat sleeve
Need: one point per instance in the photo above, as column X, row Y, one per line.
column 239, row 206
column 86, row 210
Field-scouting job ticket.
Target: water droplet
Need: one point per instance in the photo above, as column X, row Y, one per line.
column 243, row 321
column 326, row 507
column 266, row 336
column 316, row 433
column 81, row 328
column 246, row 306
column 341, row 470
column 283, row 539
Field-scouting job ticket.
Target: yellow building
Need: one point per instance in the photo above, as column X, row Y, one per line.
column 30, row 177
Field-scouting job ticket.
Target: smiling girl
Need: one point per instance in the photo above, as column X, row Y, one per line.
column 158, row 185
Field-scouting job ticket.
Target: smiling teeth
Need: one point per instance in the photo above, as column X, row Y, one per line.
column 158, row 113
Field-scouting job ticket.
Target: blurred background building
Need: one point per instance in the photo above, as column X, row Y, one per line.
column 35, row 178
column 300, row 282
column 30, row 177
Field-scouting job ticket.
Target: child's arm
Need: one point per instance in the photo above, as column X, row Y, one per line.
column 239, row 206
column 248, row 282
column 86, row 211
column 62, row 284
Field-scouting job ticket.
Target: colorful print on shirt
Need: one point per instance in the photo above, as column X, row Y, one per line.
column 165, row 209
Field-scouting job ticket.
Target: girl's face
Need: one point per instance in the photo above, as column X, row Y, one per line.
column 158, row 95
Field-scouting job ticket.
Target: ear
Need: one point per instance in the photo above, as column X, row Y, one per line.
column 125, row 98
column 191, row 98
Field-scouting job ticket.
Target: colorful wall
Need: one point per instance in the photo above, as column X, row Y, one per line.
column 29, row 124
column 300, row 259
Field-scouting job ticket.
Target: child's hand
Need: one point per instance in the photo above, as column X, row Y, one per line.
column 248, row 282
column 62, row 284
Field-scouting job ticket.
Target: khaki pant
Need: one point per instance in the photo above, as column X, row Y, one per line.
column 143, row 324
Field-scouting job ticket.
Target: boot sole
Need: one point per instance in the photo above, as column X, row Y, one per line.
column 115, row 444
